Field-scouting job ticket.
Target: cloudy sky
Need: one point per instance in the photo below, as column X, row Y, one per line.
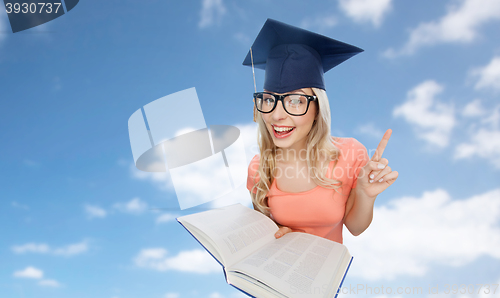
column 78, row 220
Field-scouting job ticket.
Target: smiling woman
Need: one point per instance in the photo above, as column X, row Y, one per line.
column 305, row 179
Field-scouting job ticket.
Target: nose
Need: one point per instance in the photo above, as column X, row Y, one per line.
column 279, row 112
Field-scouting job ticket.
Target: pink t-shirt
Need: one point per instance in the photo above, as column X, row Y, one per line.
column 319, row 211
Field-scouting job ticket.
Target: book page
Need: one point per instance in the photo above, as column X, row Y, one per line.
column 236, row 230
column 297, row 265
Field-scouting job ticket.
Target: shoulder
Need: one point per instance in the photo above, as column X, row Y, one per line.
column 347, row 143
column 253, row 167
column 353, row 156
column 351, row 149
column 253, row 172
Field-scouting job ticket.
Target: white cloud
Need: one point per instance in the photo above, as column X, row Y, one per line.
column 35, row 273
column 484, row 134
column 193, row 261
column 429, row 230
column 319, row 22
column 488, row 77
column 31, row 247
column 94, row 211
column 29, row 272
column 431, row 120
column 49, row 283
column 161, row 180
column 42, row 248
column 370, row 129
column 483, row 143
column 201, row 181
column 239, row 195
column 166, row 217
column 473, row 109
column 206, row 190
column 459, row 25
column 248, row 134
column 134, row 206
column 493, row 119
column 215, row 295
column 212, row 12
column 72, row 249
column 171, row 295
column 366, row 11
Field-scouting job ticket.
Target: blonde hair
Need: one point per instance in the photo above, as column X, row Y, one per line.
column 319, row 147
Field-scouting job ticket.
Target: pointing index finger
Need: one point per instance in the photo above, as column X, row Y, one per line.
column 381, row 146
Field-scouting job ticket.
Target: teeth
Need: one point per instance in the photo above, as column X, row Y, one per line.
column 282, row 129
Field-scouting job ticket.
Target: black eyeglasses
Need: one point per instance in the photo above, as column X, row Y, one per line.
column 294, row 104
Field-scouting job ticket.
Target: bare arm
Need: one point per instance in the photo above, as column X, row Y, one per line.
column 373, row 179
column 359, row 212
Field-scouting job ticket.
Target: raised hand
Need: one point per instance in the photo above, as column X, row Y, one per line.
column 376, row 175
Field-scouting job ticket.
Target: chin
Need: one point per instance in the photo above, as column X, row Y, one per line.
column 284, row 143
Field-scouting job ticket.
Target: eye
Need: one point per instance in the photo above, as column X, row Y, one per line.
column 268, row 99
column 296, row 100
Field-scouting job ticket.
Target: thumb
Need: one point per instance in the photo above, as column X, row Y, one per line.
column 282, row 231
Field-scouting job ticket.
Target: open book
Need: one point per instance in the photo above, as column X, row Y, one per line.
column 295, row 265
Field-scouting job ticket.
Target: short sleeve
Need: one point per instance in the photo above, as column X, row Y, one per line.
column 360, row 159
column 253, row 173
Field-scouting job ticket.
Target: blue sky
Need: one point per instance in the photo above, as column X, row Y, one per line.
column 77, row 220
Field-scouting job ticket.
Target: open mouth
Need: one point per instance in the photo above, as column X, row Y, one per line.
column 283, row 131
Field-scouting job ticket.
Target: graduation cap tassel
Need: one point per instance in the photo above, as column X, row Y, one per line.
column 254, row 86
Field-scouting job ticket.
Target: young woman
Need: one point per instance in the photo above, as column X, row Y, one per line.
column 304, row 179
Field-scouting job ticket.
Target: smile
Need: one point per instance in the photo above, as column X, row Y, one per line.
column 282, row 131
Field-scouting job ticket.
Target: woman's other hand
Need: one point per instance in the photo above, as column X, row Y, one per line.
column 376, row 175
column 282, row 231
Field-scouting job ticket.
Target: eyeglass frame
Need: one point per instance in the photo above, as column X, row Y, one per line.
column 282, row 97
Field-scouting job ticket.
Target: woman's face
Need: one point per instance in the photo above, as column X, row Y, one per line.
column 287, row 131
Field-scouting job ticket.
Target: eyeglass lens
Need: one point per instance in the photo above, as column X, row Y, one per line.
column 294, row 104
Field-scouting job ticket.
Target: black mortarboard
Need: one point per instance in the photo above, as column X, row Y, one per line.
column 295, row 58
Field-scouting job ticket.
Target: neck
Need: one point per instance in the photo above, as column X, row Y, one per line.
column 297, row 153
